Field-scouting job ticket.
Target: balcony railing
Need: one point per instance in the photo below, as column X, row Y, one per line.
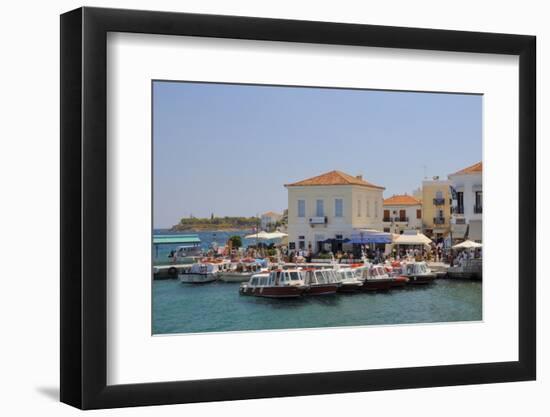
column 478, row 209
column 318, row 220
column 457, row 210
column 439, row 220
column 396, row 219
column 460, row 220
column 439, row 201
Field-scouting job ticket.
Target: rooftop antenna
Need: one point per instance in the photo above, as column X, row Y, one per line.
column 424, row 167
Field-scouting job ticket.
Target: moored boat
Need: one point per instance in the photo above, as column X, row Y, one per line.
column 399, row 281
column 351, row 279
column 199, row 273
column 376, row 279
column 394, row 271
column 287, row 283
column 239, row 272
column 418, row 273
column 321, row 282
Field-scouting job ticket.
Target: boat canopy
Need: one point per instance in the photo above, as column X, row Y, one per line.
column 365, row 236
column 176, row 239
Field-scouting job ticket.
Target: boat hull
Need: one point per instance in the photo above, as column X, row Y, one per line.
column 377, row 285
column 399, row 282
column 234, row 277
column 321, row 289
column 350, row 288
column 273, row 292
column 421, row 279
column 197, row 278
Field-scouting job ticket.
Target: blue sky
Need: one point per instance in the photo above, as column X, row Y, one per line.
column 228, row 149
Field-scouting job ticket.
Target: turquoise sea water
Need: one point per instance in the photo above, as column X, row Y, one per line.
column 218, row 307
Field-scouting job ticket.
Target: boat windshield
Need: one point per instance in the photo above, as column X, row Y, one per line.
column 329, row 276
column 377, row 272
column 294, row 276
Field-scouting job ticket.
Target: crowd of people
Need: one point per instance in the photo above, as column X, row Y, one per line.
column 377, row 254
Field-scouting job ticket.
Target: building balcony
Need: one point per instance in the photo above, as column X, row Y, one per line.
column 478, row 209
column 318, row 220
column 439, row 201
column 439, row 220
column 459, row 220
column 396, row 219
column 457, row 210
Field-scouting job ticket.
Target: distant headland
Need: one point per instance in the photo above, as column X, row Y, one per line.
column 198, row 224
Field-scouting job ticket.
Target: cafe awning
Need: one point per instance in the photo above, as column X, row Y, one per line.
column 366, row 236
column 176, row 239
column 417, row 239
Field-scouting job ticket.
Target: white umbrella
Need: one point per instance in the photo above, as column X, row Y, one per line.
column 260, row 236
column 467, row 244
column 267, row 236
column 275, row 235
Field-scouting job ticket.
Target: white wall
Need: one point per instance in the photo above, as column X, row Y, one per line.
column 352, row 217
column 410, row 212
column 469, row 184
column 29, row 174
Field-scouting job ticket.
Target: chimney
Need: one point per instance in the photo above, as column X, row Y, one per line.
column 359, row 177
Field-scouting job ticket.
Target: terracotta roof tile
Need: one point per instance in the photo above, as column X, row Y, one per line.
column 473, row 169
column 271, row 213
column 334, row 178
column 401, row 200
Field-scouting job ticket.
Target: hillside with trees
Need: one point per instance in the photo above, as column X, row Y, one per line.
column 196, row 224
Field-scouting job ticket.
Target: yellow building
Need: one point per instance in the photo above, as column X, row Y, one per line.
column 436, row 208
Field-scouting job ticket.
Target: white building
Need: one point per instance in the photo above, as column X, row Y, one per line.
column 269, row 220
column 467, row 203
column 402, row 212
column 326, row 210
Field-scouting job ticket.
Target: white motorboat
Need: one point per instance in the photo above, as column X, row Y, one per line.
column 199, row 273
column 351, row 279
column 376, row 278
column 240, row 272
column 288, row 283
column 417, row 272
column 321, row 281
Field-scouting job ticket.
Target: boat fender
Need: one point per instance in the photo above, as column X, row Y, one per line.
column 172, row 271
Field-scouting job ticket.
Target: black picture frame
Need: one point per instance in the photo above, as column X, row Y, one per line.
column 84, row 207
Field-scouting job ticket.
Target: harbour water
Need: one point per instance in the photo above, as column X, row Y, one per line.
column 218, row 307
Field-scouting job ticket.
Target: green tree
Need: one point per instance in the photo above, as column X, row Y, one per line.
column 236, row 241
